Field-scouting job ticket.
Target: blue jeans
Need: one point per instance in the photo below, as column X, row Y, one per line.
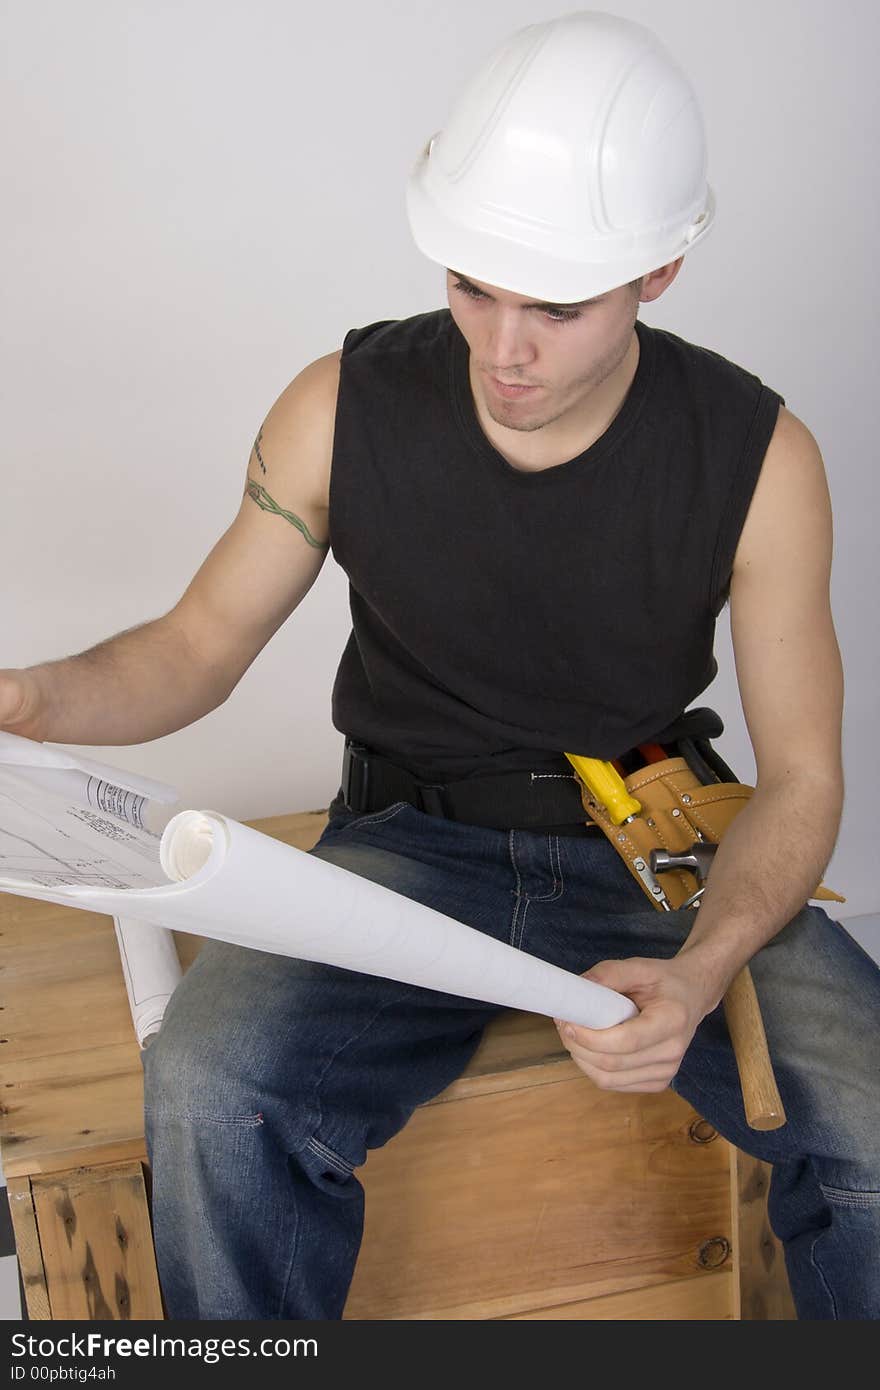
column 271, row 1077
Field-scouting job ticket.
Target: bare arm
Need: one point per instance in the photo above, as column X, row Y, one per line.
column 791, row 684
column 774, row 853
column 165, row 674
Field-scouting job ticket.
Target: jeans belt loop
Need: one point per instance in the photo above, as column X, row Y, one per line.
column 432, row 799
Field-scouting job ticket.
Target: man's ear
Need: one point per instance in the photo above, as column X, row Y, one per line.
column 656, row 281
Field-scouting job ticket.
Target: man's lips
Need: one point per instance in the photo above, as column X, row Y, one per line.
column 512, row 388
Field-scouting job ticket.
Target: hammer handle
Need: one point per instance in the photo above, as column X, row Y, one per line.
column 763, row 1104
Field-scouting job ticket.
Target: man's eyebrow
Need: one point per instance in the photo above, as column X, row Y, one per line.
column 538, row 304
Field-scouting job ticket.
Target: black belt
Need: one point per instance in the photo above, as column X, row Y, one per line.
column 548, row 801
column 540, row 801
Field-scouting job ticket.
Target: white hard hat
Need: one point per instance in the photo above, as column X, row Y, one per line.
column 574, row 161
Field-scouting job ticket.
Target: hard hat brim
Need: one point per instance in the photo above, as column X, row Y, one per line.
column 507, row 264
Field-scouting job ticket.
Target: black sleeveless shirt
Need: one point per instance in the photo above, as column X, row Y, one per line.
column 502, row 617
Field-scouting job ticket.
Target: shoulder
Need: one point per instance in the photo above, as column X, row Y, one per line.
column 790, row 500
column 306, row 408
column 312, row 390
column 294, row 446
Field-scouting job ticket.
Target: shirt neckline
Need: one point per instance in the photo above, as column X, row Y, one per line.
column 469, row 423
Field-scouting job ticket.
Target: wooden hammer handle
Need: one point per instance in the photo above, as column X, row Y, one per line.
column 763, row 1104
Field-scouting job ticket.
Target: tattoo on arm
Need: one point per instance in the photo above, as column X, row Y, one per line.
column 257, row 451
column 258, row 494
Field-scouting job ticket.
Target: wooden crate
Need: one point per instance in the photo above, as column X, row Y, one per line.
column 524, row 1191
column 520, row 1192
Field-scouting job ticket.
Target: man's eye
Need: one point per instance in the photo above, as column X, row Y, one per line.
column 470, row 290
column 562, row 315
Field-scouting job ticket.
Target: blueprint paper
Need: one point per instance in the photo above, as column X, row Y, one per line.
column 214, row 877
column 151, row 970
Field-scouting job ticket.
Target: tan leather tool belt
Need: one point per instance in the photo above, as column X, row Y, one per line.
column 677, row 810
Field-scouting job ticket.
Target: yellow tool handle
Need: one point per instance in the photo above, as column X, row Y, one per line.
column 607, row 786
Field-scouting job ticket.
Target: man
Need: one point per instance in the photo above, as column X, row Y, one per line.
column 542, row 506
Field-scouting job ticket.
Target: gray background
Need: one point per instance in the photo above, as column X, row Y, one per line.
column 203, row 197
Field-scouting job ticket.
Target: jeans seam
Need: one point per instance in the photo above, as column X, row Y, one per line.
column 330, row 1156
column 354, row 1037
column 517, row 937
column 517, row 892
column 850, row 1197
column 512, row 852
column 376, row 818
column 294, row 1251
column 556, row 869
column 321, row 1149
column 518, row 923
column 818, row 1268
column 244, row 1121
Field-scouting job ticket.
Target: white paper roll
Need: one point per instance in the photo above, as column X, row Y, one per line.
column 254, row 891
column 151, row 970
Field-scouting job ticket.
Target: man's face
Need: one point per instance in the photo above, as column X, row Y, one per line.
column 563, row 352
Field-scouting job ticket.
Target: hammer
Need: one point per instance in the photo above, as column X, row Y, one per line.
column 761, row 1098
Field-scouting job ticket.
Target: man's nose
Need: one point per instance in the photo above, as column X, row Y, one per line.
column 508, row 345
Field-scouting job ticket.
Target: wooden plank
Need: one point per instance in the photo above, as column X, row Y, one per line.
column 764, row 1286
column 80, row 1107
column 476, row 1210
column 300, row 828
column 72, row 1085
column 27, row 1248
column 705, row 1297
column 97, row 1245
column 63, row 982
column 188, row 947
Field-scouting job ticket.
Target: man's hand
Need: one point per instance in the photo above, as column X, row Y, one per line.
column 644, row 1053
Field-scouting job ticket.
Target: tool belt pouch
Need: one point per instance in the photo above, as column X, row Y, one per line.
column 677, row 809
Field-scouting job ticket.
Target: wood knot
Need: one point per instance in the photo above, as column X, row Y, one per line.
column 123, row 1297
column 701, row 1132
column 67, row 1215
column 714, row 1252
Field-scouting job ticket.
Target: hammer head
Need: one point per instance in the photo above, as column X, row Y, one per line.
column 697, row 859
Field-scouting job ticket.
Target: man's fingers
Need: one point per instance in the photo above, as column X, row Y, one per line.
column 624, row 1038
column 663, row 1055
column 636, row 1079
column 662, row 1085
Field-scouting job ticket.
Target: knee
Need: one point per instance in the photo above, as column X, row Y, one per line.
column 199, row 1065
column 213, row 1048
column 184, row 1072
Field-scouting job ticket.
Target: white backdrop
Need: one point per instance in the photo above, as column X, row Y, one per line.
column 203, row 196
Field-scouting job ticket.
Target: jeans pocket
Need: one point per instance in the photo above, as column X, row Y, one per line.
column 328, row 1170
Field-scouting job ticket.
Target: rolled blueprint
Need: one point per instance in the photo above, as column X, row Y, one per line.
column 237, row 885
column 151, row 970
column 77, row 832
